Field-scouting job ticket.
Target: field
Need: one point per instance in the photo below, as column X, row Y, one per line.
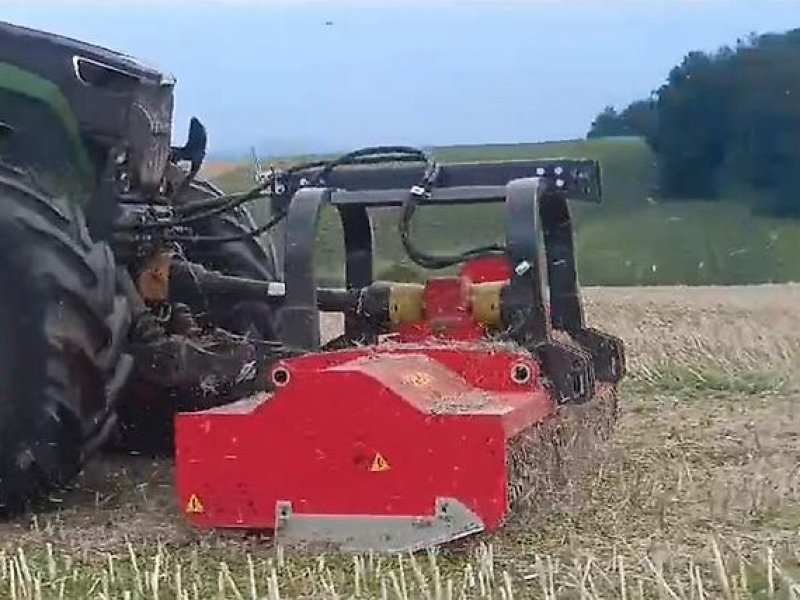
column 697, row 495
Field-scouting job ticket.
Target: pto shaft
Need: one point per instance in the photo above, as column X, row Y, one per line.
column 380, row 303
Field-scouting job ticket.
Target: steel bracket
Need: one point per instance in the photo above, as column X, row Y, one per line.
column 363, row 533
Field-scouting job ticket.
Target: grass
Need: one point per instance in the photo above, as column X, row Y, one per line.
column 696, row 497
column 633, row 238
column 726, row 572
column 688, row 243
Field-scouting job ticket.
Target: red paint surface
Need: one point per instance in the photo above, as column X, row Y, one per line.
column 486, row 269
column 313, row 442
column 440, row 407
column 447, row 313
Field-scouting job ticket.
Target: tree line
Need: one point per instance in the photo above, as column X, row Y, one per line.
column 722, row 121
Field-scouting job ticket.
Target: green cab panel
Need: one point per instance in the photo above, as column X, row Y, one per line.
column 45, row 137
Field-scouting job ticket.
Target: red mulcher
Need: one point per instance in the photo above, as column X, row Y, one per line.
column 401, row 433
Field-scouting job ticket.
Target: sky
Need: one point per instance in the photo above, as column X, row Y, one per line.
column 293, row 76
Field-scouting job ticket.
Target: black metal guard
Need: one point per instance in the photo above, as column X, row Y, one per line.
column 523, row 300
column 357, row 228
column 300, row 320
column 607, row 351
column 569, row 369
column 300, row 314
column 562, row 275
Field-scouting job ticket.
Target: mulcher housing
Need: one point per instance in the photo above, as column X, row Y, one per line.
column 399, row 434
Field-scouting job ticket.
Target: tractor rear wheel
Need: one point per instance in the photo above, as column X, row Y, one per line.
column 61, row 332
column 246, row 257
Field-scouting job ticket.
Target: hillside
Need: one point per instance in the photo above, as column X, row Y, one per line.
column 631, row 239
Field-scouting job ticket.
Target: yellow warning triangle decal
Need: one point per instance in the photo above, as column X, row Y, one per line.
column 194, row 506
column 379, row 463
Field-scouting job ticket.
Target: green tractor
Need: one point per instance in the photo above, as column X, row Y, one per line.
column 130, row 290
column 95, row 201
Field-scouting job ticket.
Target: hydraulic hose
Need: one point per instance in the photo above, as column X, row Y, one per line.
column 203, row 209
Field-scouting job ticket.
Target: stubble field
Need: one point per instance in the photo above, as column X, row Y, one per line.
column 697, row 495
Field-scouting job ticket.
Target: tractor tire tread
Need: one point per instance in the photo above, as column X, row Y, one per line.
column 68, row 323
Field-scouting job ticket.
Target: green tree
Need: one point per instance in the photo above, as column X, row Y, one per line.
column 638, row 119
column 727, row 118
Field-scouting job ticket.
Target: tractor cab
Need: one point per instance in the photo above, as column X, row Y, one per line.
column 97, row 97
column 76, row 107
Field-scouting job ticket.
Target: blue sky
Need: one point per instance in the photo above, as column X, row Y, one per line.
column 276, row 75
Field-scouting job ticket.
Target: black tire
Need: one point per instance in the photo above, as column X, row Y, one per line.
column 62, row 328
column 241, row 258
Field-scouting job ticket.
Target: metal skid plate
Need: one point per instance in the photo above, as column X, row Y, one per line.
column 356, row 533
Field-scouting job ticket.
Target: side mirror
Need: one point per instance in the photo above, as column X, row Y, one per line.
column 195, row 148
